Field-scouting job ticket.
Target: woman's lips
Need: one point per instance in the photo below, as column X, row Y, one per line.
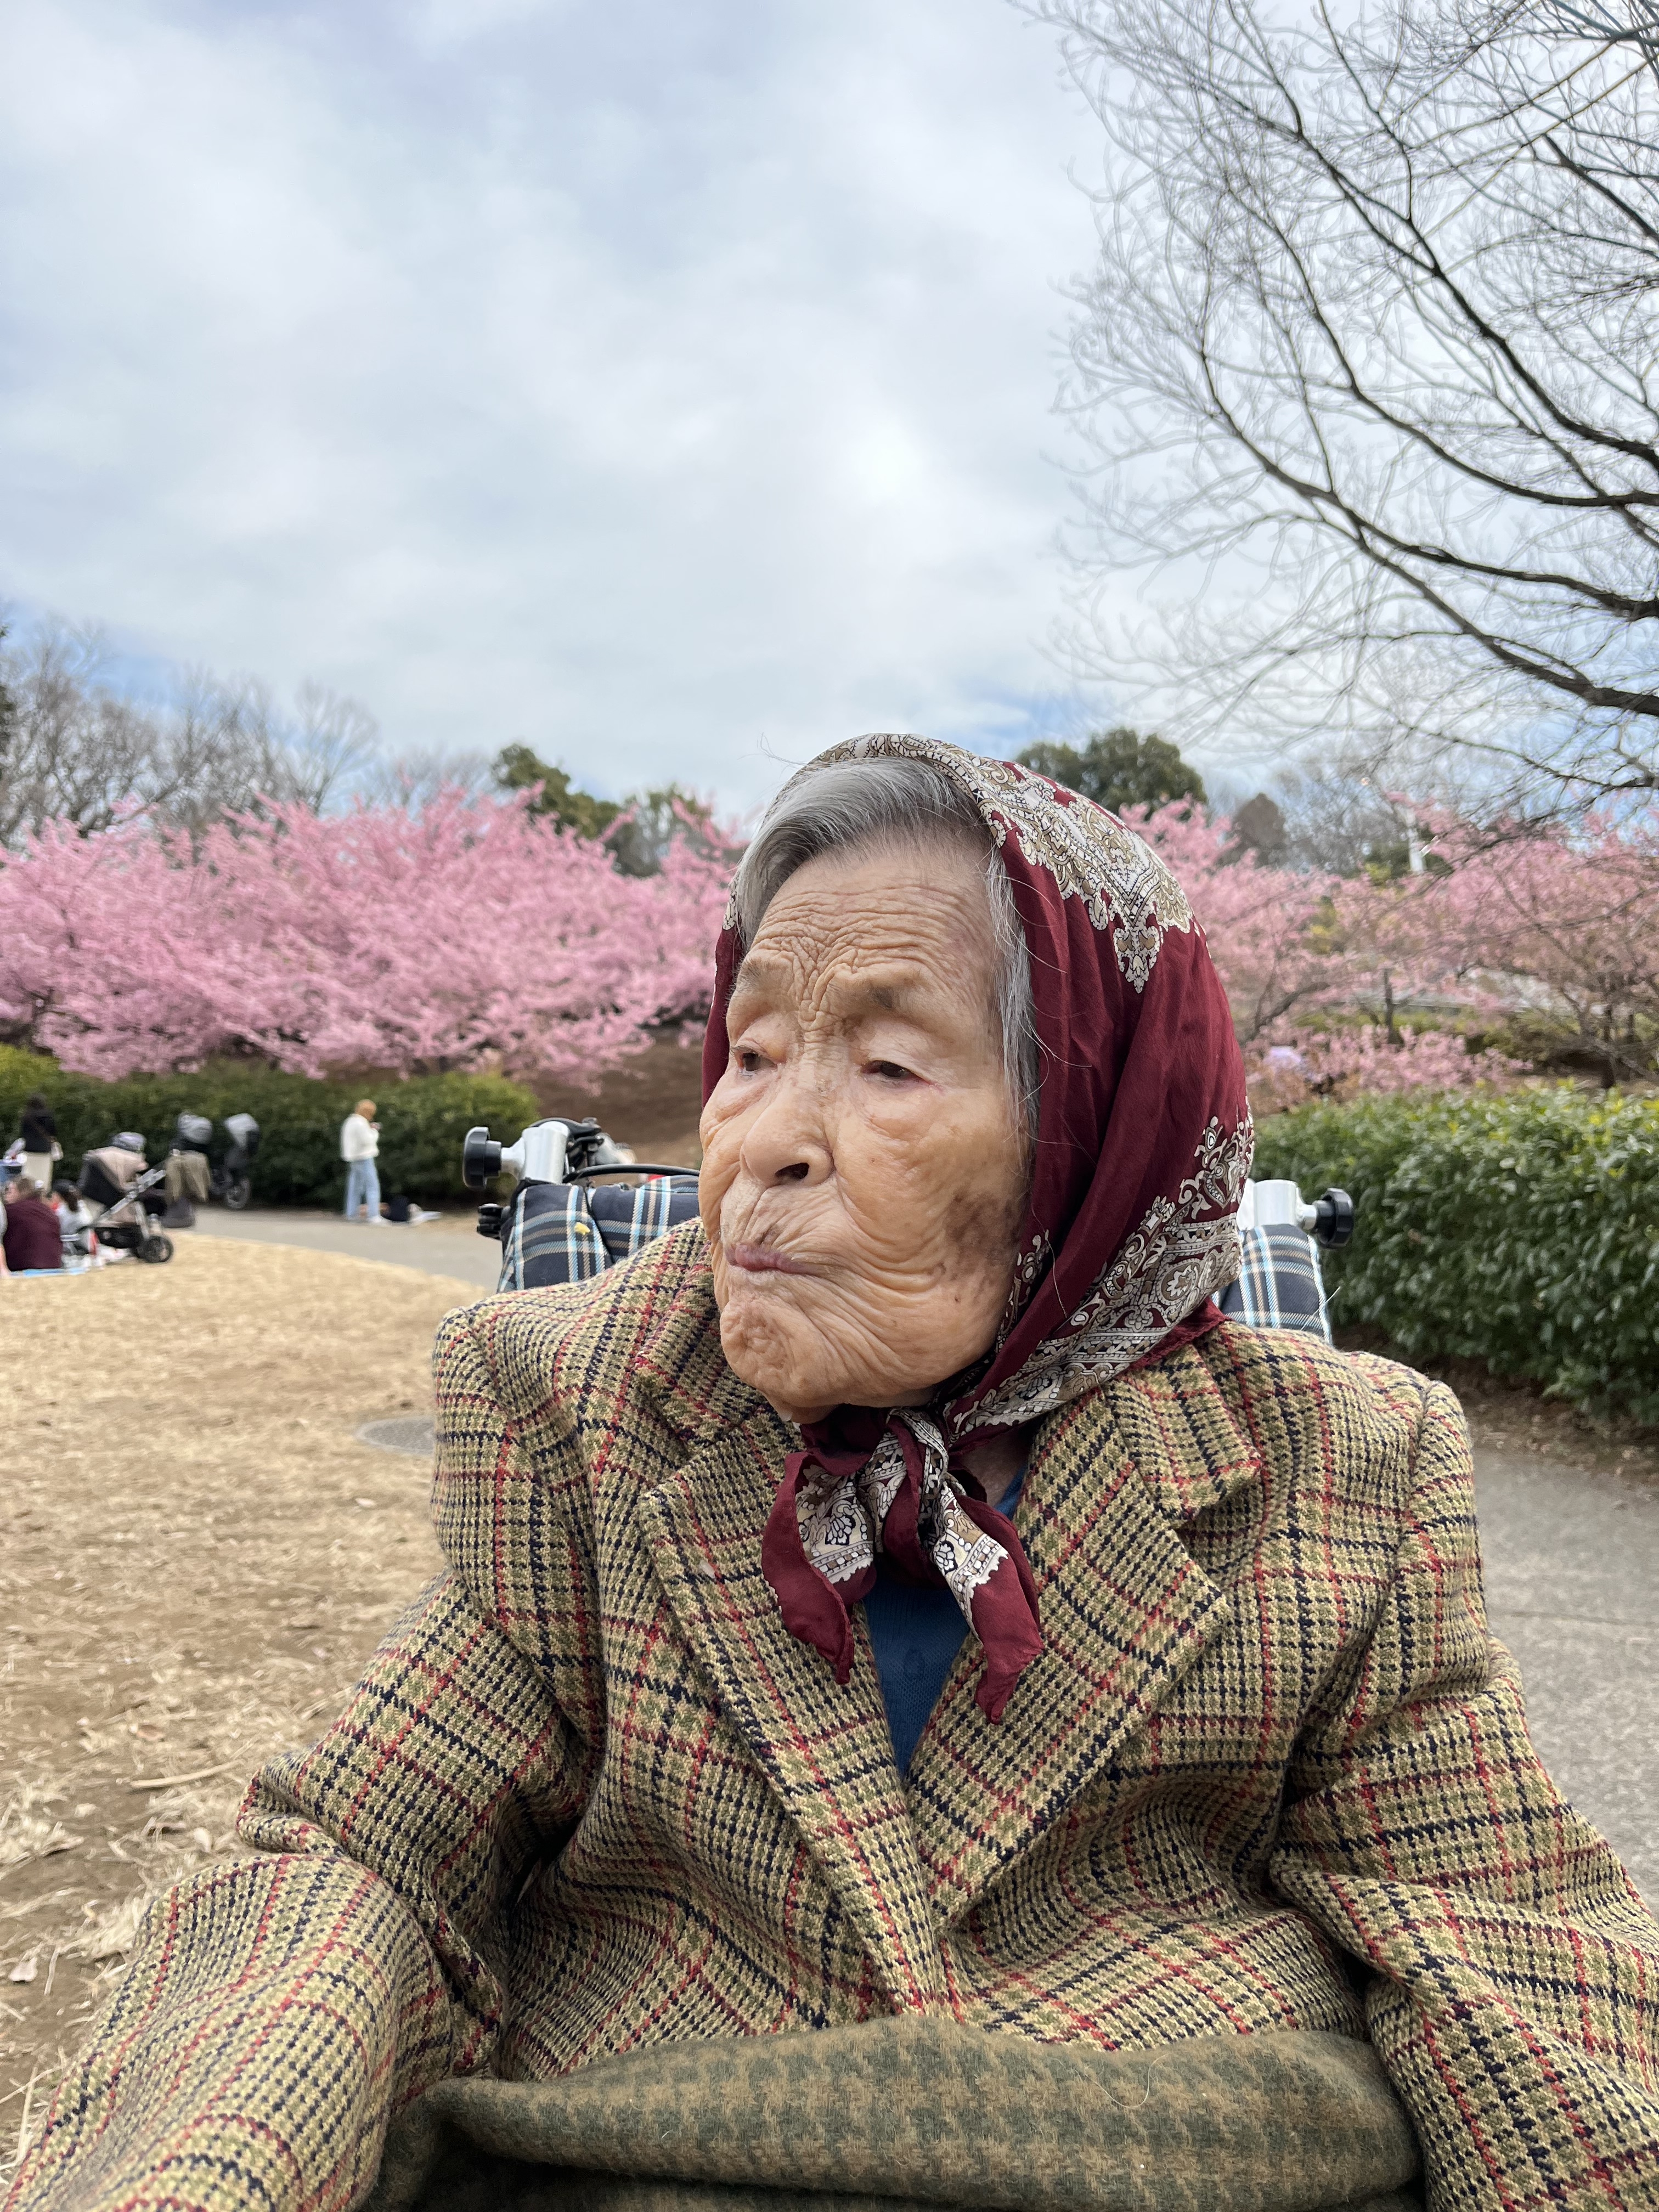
column 764, row 1260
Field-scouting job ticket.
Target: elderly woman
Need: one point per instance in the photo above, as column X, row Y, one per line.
column 920, row 1706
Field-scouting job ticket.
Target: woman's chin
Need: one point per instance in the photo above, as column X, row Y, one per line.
column 779, row 1353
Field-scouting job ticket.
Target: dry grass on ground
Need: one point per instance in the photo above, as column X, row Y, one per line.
column 195, row 1558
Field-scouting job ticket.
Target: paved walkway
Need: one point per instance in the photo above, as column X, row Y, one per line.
column 1572, row 1585
column 450, row 1248
column 1572, row 1566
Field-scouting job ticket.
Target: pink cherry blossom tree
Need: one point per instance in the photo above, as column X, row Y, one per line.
column 1316, row 966
column 1558, row 928
column 1270, row 929
column 473, row 933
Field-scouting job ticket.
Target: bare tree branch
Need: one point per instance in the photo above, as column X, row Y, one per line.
column 77, row 749
column 1364, row 378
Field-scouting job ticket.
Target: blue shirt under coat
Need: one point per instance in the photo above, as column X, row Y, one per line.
column 916, row 1630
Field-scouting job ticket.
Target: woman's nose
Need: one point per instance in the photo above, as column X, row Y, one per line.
column 786, row 1141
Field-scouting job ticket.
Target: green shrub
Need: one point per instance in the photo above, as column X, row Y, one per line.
column 1519, row 1229
column 423, row 1121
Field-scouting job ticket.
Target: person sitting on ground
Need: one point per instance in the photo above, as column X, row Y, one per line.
column 33, row 1244
column 74, row 1228
column 360, row 1142
column 404, row 1210
column 1005, row 1733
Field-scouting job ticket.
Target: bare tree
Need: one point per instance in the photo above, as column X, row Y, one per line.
column 412, row 780
column 1368, row 364
column 80, row 750
column 1344, row 824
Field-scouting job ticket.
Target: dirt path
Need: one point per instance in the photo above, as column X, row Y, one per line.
column 195, row 1558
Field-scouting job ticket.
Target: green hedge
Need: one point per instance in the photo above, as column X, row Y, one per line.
column 1521, row 1228
column 423, row 1121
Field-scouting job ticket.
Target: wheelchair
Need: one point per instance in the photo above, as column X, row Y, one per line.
column 561, row 1224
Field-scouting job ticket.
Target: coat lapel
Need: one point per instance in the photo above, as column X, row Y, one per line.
column 825, row 1751
column 1126, row 1613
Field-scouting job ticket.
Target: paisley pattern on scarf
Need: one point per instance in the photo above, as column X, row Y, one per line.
column 1143, row 1144
column 840, row 1518
column 1181, row 1254
column 1091, row 854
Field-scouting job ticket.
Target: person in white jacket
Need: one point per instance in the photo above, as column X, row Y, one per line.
column 360, row 1142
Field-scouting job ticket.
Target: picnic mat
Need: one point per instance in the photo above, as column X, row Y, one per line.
column 906, row 2113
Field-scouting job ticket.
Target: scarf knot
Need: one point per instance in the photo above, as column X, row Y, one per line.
column 869, row 1485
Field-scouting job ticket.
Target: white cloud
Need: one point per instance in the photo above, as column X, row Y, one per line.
column 662, row 384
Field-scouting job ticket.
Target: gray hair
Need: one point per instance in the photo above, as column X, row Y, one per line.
column 848, row 806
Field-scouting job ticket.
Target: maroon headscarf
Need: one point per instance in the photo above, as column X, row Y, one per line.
column 1143, row 1144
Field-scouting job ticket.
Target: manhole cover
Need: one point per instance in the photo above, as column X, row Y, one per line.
column 413, row 1433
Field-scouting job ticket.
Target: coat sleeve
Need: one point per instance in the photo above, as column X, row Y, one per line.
column 278, row 2009
column 1513, row 1984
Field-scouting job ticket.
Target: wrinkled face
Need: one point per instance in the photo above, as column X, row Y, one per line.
column 863, row 1166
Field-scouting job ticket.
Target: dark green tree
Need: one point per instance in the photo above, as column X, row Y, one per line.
column 652, row 821
column 516, row 768
column 1118, row 769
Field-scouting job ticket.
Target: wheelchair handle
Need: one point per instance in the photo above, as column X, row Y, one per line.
column 1332, row 1224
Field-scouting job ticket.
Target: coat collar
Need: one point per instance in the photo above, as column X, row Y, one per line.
column 825, row 1751
column 681, row 1363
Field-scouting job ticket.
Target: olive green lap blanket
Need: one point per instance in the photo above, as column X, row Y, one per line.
column 901, row 2114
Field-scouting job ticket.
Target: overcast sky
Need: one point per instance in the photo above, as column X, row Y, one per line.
column 666, row 383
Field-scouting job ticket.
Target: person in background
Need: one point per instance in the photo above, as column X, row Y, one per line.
column 33, row 1245
column 75, row 1227
column 360, row 1142
column 37, row 1128
column 404, row 1210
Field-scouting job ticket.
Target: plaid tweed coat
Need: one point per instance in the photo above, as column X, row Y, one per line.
column 1271, row 1774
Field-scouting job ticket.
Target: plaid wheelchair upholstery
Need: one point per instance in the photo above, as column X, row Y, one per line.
column 563, row 1232
column 1279, row 1285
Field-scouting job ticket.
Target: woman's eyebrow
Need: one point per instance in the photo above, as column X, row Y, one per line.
column 892, row 991
column 888, row 990
column 754, row 970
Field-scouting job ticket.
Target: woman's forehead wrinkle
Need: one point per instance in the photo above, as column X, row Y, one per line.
column 858, row 961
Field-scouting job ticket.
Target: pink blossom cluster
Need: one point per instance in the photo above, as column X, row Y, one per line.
column 1339, row 984
column 473, row 933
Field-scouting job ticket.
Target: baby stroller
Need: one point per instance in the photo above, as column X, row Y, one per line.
column 126, row 1220
column 227, row 1178
column 556, row 1229
column 188, row 1177
column 231, row 1179
column 194, row 1177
